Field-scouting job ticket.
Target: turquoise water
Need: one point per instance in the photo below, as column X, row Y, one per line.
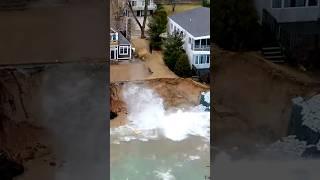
column 160, row 143
column 160, row 159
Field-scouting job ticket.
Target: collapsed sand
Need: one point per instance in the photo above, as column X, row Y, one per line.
column 253, row 98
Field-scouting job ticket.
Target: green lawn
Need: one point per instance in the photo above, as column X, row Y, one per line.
column 180, row 8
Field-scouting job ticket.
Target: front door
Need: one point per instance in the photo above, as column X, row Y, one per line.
column 139, row 13
column 113, row 54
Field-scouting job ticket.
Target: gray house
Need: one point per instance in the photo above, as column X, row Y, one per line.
column 294, row 23
column 120, row 47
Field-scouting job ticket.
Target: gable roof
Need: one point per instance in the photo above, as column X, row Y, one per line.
column 123, row 40
column 195, row 21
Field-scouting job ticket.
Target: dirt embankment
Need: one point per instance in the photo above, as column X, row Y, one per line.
column 65, row 127
column 253, row 98
column 176, row 92
column 21, row 137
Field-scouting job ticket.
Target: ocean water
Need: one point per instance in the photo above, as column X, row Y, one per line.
column 160, row 159
column 159, row 143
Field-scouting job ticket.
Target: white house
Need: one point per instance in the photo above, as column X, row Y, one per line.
column 294, row 23
column 194, row 25
column 120, row 47
column 286, row 11
column 138, row 7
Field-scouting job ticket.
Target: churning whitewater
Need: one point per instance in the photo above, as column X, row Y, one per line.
column 149, row 119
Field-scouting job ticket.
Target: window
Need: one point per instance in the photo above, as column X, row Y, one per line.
column 189, row 40
column 113, row 37
column 203, row 42
column 313, row 2
column 123, row 50
column 197, row 43
column 276, row 3
column 196, row 59
column 202, row 59
column 294, row 3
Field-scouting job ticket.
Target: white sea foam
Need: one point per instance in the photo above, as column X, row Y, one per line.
column 149, row 119
column 144, row 139
column 178, row 164
column 206, row 96
column 287, row 147
column 164, row 174
column 194, row 157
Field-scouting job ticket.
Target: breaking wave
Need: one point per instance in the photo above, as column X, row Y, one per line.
column 148, row 117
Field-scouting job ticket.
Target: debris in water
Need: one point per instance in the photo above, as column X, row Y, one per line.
column 113, row 115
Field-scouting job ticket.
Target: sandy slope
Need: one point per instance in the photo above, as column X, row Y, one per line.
column 253, row 98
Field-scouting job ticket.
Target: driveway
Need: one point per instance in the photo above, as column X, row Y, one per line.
column 153, row 61
column 151, row 67
column 128, row 72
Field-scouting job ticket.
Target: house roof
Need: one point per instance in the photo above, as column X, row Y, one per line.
column 195, row 21
column 123, row 40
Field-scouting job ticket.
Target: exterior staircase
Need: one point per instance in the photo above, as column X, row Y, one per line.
column 7, row 5
column 273, row 53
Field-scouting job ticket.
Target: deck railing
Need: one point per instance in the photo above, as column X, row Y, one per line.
column 201, row 48
column 269, row 21
column 291, row 42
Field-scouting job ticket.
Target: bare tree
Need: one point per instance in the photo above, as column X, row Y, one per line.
column 116, row 14
column 145, row 15
column 173, row 3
